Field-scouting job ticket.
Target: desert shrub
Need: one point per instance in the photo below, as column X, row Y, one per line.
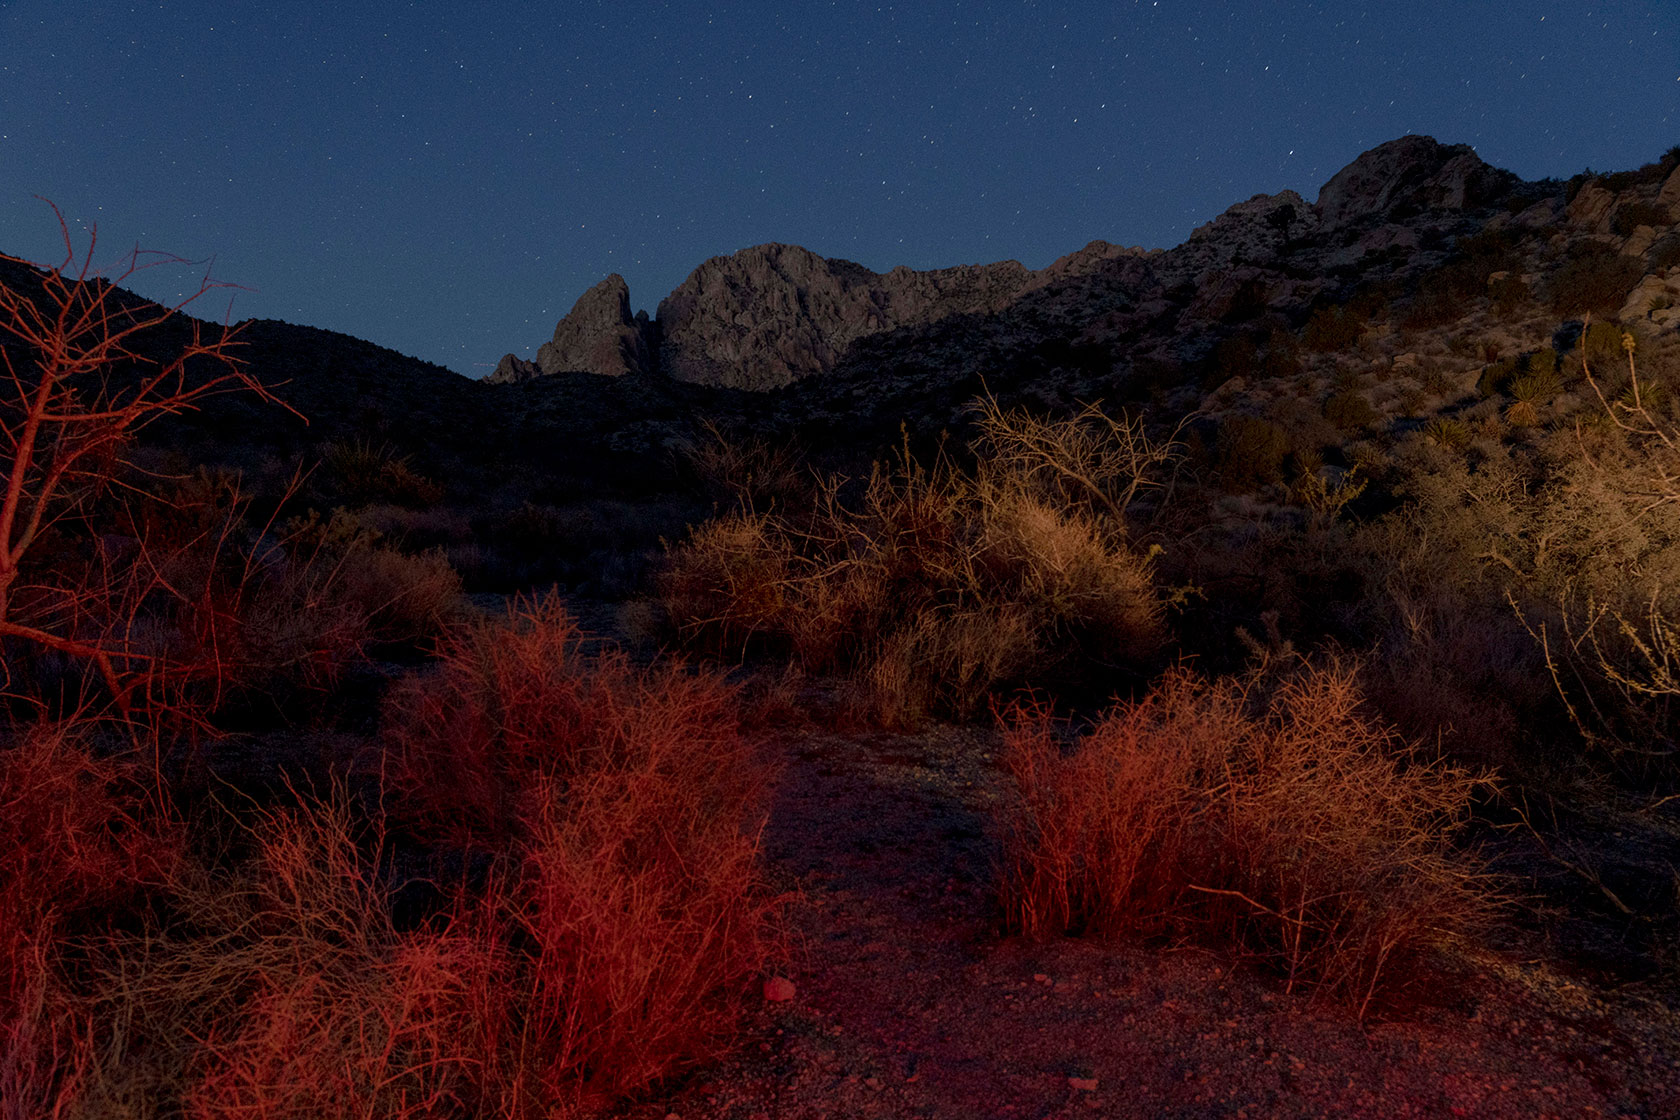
column 257, row 610
column 1465, row 276
column 1250, row 453
column 1594, row 280
column 605, row 942
column 1643, row 395
column 1509, row 293
column 281, row 986
column 751, row 474
column 1629, row 216
column 1541, row 363
column 1496, row 376
column 1283, row 356
column 1235, row 356
column 1284, row 819
column 1605, row 619
column 632, row 803
column 364, row 473
column 1440, row 382
column 188, row 601
column 1452, row 671
column 1536, row 386
column 1349, row 410
column 1370, row 460
column 935, row 586
column 1601, row 348
column 83, row 840
column 1532, row 385
column 1091, row 460
column 403, row 599
column 1431, row 308
column 78, row 395
column 730, row 583
column 1654, row 172
column 1332, row 328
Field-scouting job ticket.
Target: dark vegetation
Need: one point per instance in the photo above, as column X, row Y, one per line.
column 1323, row 640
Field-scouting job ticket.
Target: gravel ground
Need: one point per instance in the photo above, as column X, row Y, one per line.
column 908, row 1002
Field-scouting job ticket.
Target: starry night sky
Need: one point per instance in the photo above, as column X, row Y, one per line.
column 447, row 178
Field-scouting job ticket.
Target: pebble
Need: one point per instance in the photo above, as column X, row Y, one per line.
column 779, row 989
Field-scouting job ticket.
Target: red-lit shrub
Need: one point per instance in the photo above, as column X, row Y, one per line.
column 629, row 804
column 75, row 388
column 80, row 842
column 279, row 985
column 1298, row 829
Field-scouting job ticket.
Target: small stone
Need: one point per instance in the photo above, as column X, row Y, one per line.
column 779, row 989
column 1041, row 978
column 873, row 1082
column 1083, row 1084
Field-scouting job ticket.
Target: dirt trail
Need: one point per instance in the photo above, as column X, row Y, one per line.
column 910, row 1004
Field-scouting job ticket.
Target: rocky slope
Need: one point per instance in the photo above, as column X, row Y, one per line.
column 775, row 315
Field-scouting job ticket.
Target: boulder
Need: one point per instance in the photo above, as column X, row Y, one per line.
column 1639, row 242
column 1670, row 193
column 1591, row 207
column 1651, row 295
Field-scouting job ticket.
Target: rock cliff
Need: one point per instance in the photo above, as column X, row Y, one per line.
column 774, row 314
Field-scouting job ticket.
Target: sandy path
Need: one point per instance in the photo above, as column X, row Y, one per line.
column 909, row 1003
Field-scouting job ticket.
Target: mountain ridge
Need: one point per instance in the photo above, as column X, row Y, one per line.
column 770, row 315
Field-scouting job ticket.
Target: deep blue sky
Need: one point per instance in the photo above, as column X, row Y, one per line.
column 446, row 178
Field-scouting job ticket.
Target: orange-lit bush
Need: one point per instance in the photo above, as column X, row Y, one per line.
column 934, row 587
column 1297, row 829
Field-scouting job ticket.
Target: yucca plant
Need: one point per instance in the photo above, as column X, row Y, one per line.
column 1447, row 431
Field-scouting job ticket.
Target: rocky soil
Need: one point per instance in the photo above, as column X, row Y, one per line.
column 907, row 1002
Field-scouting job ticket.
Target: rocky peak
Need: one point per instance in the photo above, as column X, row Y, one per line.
column 1414, row 171
column 773, row 314
column 598, row 335
column 513, row 368
column 1255, row 230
